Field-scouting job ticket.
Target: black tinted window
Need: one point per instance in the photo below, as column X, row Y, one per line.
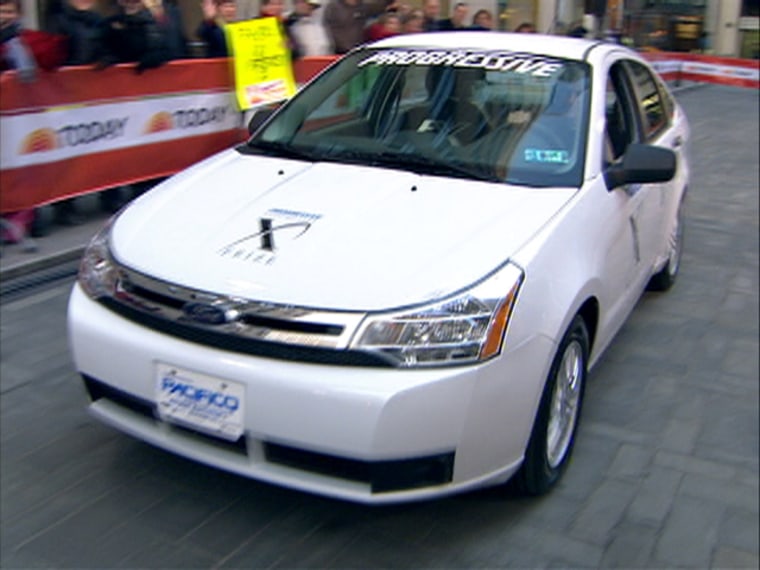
column 620, row 123
column 648, row 98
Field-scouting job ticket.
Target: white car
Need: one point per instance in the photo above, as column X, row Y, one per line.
column 394, row 290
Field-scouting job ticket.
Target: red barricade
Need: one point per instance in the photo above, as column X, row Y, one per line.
column 306, row 68
column 77, row 130
column 706, row 69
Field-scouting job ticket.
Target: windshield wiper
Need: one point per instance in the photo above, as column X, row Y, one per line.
column 422, row 164
column 419, row 164
column 284, row 150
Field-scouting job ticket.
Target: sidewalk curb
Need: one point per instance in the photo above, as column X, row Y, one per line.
column 27, row 267
column 689, row 87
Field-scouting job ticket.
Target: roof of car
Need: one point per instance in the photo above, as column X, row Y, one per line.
column 553, row 46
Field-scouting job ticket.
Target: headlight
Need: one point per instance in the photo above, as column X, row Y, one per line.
column 97, row 273
column 466, row 328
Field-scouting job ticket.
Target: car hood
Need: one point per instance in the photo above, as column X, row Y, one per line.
column 326, row 235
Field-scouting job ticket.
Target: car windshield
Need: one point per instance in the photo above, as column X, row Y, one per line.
column 487, row 115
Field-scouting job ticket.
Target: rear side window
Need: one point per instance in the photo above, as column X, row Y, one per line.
column 653, row 109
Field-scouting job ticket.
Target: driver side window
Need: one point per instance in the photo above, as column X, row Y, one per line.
column 620, row 128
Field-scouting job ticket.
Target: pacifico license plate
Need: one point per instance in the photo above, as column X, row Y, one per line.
column 198, row 401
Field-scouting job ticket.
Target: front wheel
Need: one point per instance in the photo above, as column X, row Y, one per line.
column 551, row 441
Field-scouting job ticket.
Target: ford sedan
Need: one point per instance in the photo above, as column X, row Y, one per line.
column 396, row 288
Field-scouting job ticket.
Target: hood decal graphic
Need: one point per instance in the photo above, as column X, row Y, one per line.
column 289, row 224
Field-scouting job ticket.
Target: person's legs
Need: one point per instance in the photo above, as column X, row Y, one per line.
column 66, row 213
column 113, row 199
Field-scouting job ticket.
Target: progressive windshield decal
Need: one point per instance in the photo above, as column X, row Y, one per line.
column 528, row 64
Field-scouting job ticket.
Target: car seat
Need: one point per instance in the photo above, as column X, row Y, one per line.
column 449, row 110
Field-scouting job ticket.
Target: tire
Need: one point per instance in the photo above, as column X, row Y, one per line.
column 553, row 436
column 666, row 277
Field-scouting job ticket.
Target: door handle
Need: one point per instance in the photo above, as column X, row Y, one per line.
column 677, row 142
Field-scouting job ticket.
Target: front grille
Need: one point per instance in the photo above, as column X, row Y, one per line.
column 281, row 324
column 153, row 296
column 246, row 318
column 382, row 476
column 240, row 325
column 231, row 343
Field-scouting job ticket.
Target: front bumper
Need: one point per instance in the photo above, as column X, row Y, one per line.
column 373, row 435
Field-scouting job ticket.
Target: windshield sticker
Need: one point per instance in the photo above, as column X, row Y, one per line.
column 528, row 64
column 547, row 156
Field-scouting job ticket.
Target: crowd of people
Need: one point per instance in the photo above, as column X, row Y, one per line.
column 150, row 33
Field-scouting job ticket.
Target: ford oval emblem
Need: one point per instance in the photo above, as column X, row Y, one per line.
column 204, row 313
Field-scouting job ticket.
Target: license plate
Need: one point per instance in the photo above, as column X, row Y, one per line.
column 198, row 401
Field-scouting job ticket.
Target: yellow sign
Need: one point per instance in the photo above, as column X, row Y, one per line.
column 261, row 62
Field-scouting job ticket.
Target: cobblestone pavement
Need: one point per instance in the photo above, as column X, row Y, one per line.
column 665, row 473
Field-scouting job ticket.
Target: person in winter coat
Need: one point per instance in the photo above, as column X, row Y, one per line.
column 457, row 19
column 26, row 50
column 148, row 33
column 413, row 22
column 168, row 18
column 272, row 9
column 345, row 21
column 82, row 26
column 387, row 25
column 306, row 31
column 482, row 20
column 432, row 11
column 134, row 35
column 216, row 14
column 525, row 28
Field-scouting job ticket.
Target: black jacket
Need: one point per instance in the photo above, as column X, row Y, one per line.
column 83, row 30
column 172, row 32
column 141, row 39
column 213, row 36
column 133, row 38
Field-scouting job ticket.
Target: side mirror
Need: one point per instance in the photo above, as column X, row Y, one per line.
column 642, row 164
column 261, row 116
